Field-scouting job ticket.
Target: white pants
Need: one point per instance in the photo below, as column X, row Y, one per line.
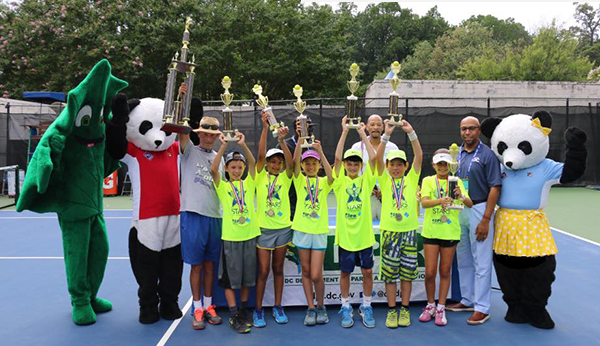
column 475, row 260
column 158, row 233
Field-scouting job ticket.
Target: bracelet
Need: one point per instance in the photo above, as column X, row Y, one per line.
column 385, row 138
column 412, row 136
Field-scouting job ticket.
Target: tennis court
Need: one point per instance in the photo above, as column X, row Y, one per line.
column 36, row 303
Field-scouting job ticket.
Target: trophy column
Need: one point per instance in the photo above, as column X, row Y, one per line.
column 263, row 101
column 393, row 113
column 453, row 179
column 300, row 106
column 352, row 118
column 228, row 130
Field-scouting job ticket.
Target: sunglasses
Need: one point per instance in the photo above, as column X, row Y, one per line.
column 470, row 128
column 209, row 127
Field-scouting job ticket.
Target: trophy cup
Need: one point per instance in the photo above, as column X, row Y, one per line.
column 263, row 101
column 453, row 179
column 228, row 129
column 176, row 112
column 395, row 116
column 352, row 118
column 300, row 105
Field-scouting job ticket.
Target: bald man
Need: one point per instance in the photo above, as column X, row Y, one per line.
column 375, row 129
column 479, row 169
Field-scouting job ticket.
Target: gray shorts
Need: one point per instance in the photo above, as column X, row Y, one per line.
column 271, row 239
column 238, row 264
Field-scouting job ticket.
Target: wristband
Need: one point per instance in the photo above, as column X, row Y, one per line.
column 385, row 138
column 412, row 136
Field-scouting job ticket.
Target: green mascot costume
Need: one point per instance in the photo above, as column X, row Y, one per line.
column 66, row 176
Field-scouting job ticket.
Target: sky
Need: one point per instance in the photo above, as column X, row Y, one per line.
column 531, row 14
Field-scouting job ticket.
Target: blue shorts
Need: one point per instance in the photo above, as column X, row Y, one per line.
column 351, row 259
column 308, row 241
column 200, row 238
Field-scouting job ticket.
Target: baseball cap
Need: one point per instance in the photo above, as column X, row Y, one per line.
column 208, row 125
column 274, row 151
column 442, row 157
column 352, row 152
column 310, row 153
column 235, row 155
column 396, row 154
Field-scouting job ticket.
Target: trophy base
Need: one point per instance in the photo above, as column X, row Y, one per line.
column 170, row 127
column 393, row 120
column 230, row 136
column 456, row 207
column 353, row 124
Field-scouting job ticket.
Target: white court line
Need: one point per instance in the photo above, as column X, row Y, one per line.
column 174, row 325
column 575, row 236
column 51, row 258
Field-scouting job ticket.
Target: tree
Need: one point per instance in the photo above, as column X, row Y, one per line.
column 588, row 19
column 503, row 30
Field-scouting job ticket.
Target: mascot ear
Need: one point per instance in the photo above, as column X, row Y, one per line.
column 133, row 103
column 196, row 112
column 545, row 118
column 489, row 125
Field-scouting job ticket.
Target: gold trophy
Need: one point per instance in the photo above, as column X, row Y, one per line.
column 453, row 179
column 352, row 118
column 393, row 113
column 176, row 112
column 263, row 101
column 226, row 97
column 300, row 105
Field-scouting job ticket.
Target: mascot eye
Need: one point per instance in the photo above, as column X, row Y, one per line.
column 84, row 117
column 525, row 147
column 168, row 133
column 145, row 126
column 501, row 147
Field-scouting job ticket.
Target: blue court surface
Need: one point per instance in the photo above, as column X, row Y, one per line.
column 36, row 308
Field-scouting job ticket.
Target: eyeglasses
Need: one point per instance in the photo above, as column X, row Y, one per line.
column 470, row 128
column 211, row 127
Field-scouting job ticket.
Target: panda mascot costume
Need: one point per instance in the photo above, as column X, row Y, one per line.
column 152, row 157
column 524, row 248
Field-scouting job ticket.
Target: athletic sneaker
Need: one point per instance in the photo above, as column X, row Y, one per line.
column 322, row 317
column 198, row 320
column 259, row 318
column 440, row 317
column 246, row 317
column 391, row 320
column 311, row 317
column 367, row 315
column 279, row 314
column 211, row 315
column 237, row 323
column 404, row 318
column 347, row 316
column 427, row 314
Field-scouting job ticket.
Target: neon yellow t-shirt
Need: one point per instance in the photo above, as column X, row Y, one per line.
column 274, row 212
column 308, row 218
column 354, row 228
column 238, row 225
column 401, row 219
column 438, row 223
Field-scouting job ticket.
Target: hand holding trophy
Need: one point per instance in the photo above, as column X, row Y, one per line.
column 352, row 101
column 306, row 138
column 453, row 188
column 393, row 113
column 263, row 101
column 228, row 131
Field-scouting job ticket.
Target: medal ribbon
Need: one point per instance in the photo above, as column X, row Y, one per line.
column 398, row 195
column 272, row 187
column 439, row 189
column 311, row 197
column 239, row 197
column 470, row 163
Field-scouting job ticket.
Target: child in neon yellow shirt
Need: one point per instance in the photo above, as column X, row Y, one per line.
column 354, row 229
column 237, row 269
column 399, row 222
column 273, row 182
column 441, row 233
column 311, row 226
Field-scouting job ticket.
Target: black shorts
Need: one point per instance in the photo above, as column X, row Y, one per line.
column 440, row 242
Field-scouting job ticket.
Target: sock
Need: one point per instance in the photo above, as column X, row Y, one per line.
column 233, row 310
column 244, row 305
column 405, row 307
column 345, row 302
column 391, row 307
column 207, row 302
column 431, row 304
column 441, row 307
column 367, row 300
column 197, row 305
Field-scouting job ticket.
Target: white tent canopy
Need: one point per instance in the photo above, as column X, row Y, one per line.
column 23, row 115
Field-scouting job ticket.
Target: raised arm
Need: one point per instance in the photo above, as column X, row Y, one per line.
column 262, row 143
column 297, row 155
column 289, row 161
column 326, row 166
column 251, row 163
column 339, row 150
column 368, row 146
column 214, row 169
column 416, row 146
column 380, row 160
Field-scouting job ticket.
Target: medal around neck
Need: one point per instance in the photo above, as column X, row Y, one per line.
column 352, row 118
column 176, row 113
column 263, row 101
column 393, row 108
column 300, row 106
column 228, row 129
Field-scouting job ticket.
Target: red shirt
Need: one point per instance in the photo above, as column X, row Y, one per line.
column 154, row 180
